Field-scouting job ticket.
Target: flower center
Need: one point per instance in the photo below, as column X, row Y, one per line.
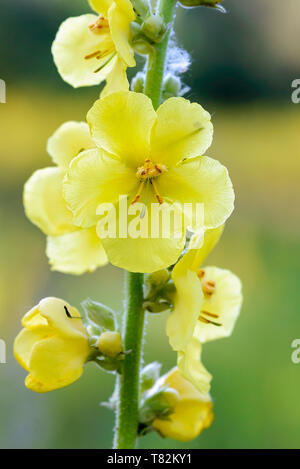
column 208, row 288
column 100, row 26
column 147, row 175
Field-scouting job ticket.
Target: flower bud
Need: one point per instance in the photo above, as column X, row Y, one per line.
column 158, row 404
column 199, row 3
column 154, row 28
column 137, row 83
column 110, row 344
column 172, row 86
column 150, row 375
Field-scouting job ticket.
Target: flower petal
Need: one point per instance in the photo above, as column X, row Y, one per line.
column 101, row 6
column 182, row 130
column 76, row 253
column 119, row 24
column 139, row 243
column 121, row 123
column 70, row 139
column 94, row 178
column 194, row 258
column 187, row 306
column 54, row 310
column 116, row 80
column 24, row 343
column 56, row 363
column 204, row 181
column 189, row 364
column 192, row 413
column 225, row 303
column 73, row 43
column 44, row 202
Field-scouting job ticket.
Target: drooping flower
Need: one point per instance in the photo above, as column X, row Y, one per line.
column 149, row 157
column 53, row 346
column 70, row 249
column 214, row 302
column 193, row 411
column 89, row 49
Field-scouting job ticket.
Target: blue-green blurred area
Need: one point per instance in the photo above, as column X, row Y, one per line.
column 242, row 67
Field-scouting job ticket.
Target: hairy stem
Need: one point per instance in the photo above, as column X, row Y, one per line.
column 129, row 380
column 157, row 59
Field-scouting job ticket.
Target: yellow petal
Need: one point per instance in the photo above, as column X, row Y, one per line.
column 225, row 303
column 53, row 309
column 56, row 363
column 95, row 178
column 119, row 24
column 204, row 181
column 192, row 414
column 68, row 141
column 142, row 251
column 33, row 320
column 76, row 253
column 194, row 258
column 73, row 43
column 116, row 80
column 187, row 306
column 44, row 202
column 190, row 366
column 121, row 123
column 101, row 6
column 24, row 343
column 183, row 130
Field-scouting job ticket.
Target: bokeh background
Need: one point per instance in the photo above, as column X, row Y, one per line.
column 243, row 64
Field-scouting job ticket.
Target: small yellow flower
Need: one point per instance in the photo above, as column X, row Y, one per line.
column 110, row 344
column 70, row 249
column 215, row 300
column 149, row 157
column 89, row 48
column 192, row 414
column 53, row 346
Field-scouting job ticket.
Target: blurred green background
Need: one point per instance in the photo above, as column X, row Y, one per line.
column 243, row 64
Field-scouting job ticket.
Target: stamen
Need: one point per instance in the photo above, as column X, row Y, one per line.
column 201, row 273
column 208, row 287
column 208, row 321
column 207, row 313
column 94, row 54
column 99, row 24
column 105, row 63
column 158, row 196
column 139, row 193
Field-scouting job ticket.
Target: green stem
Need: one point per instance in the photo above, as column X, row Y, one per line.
column 128, row 384
column 128, row 381
column 157, row 60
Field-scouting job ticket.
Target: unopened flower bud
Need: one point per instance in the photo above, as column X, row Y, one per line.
column 172, row 86
column 110, row 344
column 137, row 83
column 199, row 3
column 154, row 28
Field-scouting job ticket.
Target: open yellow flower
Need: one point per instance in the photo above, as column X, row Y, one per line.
column 91, row 48
column 193, row 412
column 53, row 346
column 212, row 310
column 70, row 249
column 148, row 157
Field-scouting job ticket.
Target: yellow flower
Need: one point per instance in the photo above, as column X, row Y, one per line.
column 211, row 313
column 149, row 157
column 70, row 249
column 89, row 48
column 53, row 346
column 193, row 411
